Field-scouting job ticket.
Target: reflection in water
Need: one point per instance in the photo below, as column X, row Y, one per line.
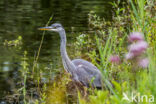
column 23, row 17
column 5, row 68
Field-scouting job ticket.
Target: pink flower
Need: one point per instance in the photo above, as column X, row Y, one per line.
column 144, row 63
column 138, row 47
column 115, row 59
column 129, row 56
column 136, row 36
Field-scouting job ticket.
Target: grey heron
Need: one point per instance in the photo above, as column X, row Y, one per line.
column 81, row 70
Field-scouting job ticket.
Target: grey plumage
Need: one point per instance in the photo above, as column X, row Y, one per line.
column 81, row 70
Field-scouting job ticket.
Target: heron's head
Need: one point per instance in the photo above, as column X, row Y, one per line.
column 56, row 27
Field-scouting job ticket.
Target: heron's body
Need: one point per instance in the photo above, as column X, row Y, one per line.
column 81, row 70
column 87, row 73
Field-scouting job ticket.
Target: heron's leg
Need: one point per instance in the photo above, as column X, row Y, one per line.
column 85, row 91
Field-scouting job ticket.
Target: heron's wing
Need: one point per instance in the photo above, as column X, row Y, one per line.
column 87, row 72
column 84, row 62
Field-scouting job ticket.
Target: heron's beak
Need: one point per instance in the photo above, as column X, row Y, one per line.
column 46, row 28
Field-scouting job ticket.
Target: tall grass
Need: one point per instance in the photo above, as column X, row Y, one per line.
column 24, row 74
column 30, row 77
column 40, row 46
column 124, row 81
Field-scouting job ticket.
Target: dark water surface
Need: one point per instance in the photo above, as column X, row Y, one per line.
column 23, row 17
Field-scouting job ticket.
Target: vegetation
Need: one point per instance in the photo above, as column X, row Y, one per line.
column 130, row 83
column 107, row 45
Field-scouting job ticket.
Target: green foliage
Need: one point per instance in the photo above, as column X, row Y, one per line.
column 120, row 80
column 16, row 42
column 107, row 38
column 24, row 74
column 56, row 92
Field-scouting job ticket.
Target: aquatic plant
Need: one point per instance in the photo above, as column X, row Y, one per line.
column 16, row 42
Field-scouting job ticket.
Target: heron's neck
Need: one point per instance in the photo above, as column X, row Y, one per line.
column 68, row 65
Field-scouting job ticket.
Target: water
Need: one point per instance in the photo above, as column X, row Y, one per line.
column 23, row 17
